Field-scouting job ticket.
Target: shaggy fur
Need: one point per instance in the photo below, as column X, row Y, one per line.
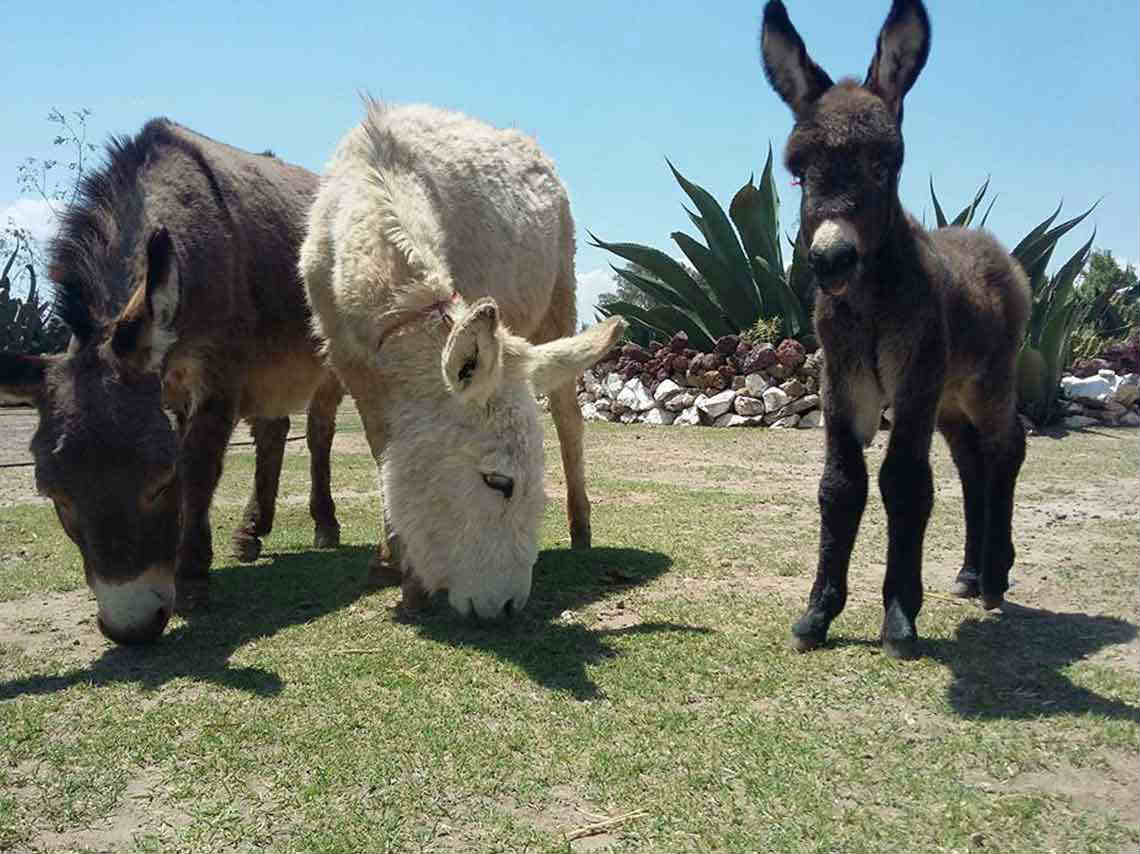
column 177, row 277
column 436, row 248
column 927, row 322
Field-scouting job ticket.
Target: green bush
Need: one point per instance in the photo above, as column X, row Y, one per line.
column 740, row 270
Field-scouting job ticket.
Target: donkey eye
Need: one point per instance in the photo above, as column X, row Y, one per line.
column 500, row 483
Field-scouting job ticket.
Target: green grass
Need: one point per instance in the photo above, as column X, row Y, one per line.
column 652, row 673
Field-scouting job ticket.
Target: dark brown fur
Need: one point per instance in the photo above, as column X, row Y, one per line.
column 927, row 322
column 177, row 277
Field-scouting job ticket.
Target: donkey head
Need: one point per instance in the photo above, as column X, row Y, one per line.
column 846, row 148
column 104, row 449
column 463, row 466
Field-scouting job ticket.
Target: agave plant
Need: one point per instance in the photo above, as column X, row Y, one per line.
column 740, row 270
column 1047, row 347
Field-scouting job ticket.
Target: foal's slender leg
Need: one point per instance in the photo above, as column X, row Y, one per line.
column 269, row 443
column 568, row 422
column 200, row 459
column 966, row 449
column 321, row 425
column 842, row 497
column 1004, row 456
column 907, row 486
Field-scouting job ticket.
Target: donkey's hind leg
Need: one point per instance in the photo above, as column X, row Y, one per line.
column 966, row 450
column 1004, row 454
column 257, row 520
column 320, row 427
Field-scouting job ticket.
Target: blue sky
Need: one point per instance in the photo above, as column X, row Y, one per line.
column 1041, row 95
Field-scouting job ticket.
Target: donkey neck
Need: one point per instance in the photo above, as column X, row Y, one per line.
column 896, row 269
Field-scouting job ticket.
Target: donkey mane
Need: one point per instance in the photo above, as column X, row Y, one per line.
column 407, row 211
column 87, row 251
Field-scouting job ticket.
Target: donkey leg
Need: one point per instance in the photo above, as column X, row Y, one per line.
column 842, row 497
column 570, row 427
column 386, row 567
column 257, row 520
column 319, row 434
column 200, row 457
column 966, row 450
column 907, row 487
column 1004, row 456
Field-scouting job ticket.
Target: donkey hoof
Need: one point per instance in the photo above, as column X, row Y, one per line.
column 383, row 573
column 904, row 648
column 326, row 537
column 809, row 631
column 966, row 585
column 579, row 536
column 992, row 601
column 190, row 596
column 246, row 547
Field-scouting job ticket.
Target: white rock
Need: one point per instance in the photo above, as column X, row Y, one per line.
column 774, row 398
column 785, row 422
column 1076, row 422
column 1107, row 374
column 808, row 401
column 591, row 384
column 793, row 388
column 755, row 385
column 589, row 412
column 665, row 390
column 628, row 417
column 715, row 406
column 689, row 418
column 737, row 382
column 613, row 384
column 1089, row 388
column 682, row 401
column 811, row 419
column 1127, row 389
column 889, row 414
column 634, row 395
column 746, row 405
column 659, row 416
column 734, row 420
column 722, row 419
column 1130, row 419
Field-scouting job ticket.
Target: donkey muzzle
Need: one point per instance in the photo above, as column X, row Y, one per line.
column 834, row 255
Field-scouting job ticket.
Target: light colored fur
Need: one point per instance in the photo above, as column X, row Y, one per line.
column 417, row 204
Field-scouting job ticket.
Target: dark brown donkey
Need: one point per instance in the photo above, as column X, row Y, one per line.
column 928, row 322
column 177, row 273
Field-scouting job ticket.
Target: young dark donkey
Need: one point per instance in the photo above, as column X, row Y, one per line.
column 177, row 277
column 928, row 322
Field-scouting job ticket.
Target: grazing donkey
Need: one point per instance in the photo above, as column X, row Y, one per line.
column 177, row 274
column 436, row 248
column 929, row 322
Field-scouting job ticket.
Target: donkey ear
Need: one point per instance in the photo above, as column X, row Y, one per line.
column 558, row 362
column 900, row 54
column 22, row 378
column 145, row 331
column 789, row 69
column 472, row 358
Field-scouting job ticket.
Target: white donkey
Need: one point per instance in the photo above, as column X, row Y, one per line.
column 438, row 249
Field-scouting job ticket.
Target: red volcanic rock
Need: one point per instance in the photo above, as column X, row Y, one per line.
column 791, row 354
column 679, row 342
column 636, row 352
column 680, row 364
column 727, row 344
column 759, row 358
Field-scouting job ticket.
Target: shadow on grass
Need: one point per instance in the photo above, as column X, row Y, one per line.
column 246, row 603
column 1008, row 665
column 554, row 653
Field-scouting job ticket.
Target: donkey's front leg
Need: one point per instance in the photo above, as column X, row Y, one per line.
column 319, row 433
column 199, row 467
column 1005, row 452
column 269, row 436
column 907, row 486
column 842, row 496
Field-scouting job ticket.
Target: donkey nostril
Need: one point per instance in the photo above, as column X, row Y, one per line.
column 500, row 483
column 509, row 608
column 836, row 259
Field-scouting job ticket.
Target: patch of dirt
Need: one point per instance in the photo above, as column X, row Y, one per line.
column 567, row 814
column 1110, row 785
column 140, row 811
column 52, row 623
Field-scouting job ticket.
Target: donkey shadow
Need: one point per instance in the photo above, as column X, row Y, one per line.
column 1011, row 665
column 247, row 602
column 553, row 651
